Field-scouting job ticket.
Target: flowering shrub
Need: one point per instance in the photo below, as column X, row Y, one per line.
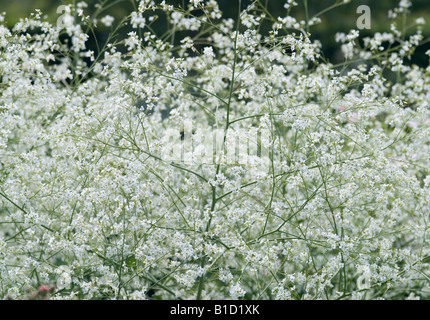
column 334, row 204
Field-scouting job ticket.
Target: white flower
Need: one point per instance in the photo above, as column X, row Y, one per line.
column 420, row 21
column 196, row 3
column 236, row 291
column 107, row 20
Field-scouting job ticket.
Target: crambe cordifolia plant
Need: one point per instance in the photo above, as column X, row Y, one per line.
column 213, row 161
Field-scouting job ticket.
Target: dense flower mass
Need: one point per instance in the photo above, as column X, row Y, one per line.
column 108, row 189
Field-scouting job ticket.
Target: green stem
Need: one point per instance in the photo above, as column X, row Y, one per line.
column 214, row 198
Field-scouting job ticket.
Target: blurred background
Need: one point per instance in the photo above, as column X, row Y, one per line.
column 340, row 19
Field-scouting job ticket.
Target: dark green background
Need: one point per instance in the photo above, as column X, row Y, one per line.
column 340, row 19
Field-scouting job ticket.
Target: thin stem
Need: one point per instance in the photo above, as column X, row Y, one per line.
column 214, row 198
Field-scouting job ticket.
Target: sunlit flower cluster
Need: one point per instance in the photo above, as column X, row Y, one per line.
column 95, row 197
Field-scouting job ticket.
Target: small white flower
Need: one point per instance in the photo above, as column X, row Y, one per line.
column 420, row 21
column 107, row 20
column 236, row 291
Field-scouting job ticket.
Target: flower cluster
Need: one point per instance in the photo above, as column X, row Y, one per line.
column 333, row 204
